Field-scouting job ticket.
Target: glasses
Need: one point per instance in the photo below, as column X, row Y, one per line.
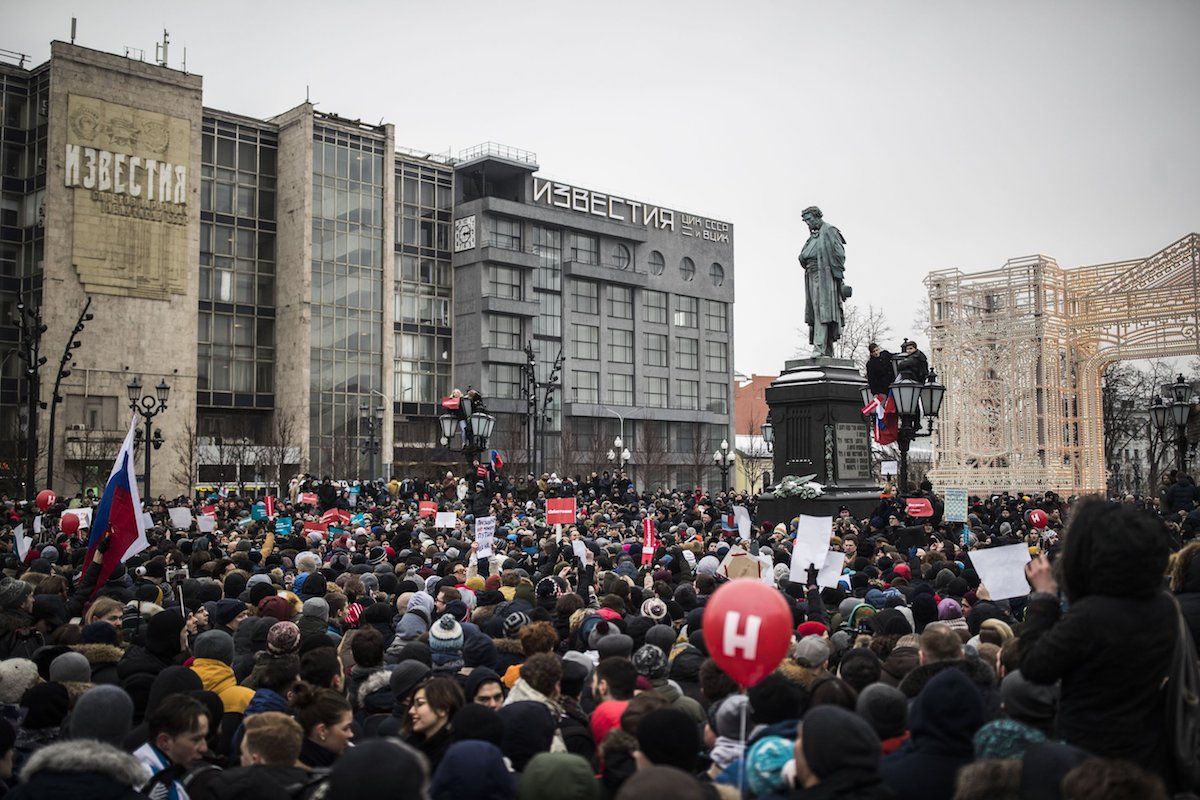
column 460, row 569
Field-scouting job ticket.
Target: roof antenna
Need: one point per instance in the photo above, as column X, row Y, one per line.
column 160, row 50
column 306, row 94
column 185, row 60
column 73, row 21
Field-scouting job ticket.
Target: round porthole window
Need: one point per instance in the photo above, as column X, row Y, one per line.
column 687, row 268
column 620, row 256
column 657, row 263
column 717, row 273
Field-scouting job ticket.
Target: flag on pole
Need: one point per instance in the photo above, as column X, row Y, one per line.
column 649, row 541
column 23, row 542
column 119, row 515
column 887, row 421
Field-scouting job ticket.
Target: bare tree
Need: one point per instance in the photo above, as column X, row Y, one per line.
column 280, row 447
column 698, row 456
column 186, row 470
column 859, row 328
column 652, row 444
column 754, row 463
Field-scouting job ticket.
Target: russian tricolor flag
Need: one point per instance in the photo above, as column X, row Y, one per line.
column 119, row 514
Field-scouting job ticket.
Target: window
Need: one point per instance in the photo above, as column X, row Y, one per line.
column 715, row 317
column 687, row 355
column 504, row 331
column 655, row 305
column 505, row 380
column 657, row 262
column 656, row 349
column 506, row 233
column 717, row 400
column 689, row 395
column 717, row 273
column 585, row 249
column 620, row 256
column 686, row 312
column 585, row 386
column 654, row 392
column 620, row 390
column 505, row 282
column 716, row 357
column 547, row 246
column 585, row 341
column 585, row 297
column 620, row 346
column 548, row 321
column 620, row 302
column 687, row 268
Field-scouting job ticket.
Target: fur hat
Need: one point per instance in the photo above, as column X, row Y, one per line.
column 655, row 609
column 16, row 675
column 283, row 637
column 649, row 660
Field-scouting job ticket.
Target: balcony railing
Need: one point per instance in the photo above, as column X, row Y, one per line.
column 499, row 151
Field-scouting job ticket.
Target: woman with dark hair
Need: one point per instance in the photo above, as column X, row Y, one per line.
column 433, row 705
column 1112, row 647
column 326, row 718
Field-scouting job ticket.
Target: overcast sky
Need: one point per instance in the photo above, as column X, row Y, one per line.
column 933, row 134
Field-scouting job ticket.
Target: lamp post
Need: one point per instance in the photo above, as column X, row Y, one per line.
column 1175, row 408
column 29, row 320
column 619, row 453
column 64, row 371
column 149, row 406
column 475, row 428
column 724, row 458
column 372, row 441
column 914, row 400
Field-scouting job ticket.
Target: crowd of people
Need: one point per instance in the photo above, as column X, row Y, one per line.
column 369, row 654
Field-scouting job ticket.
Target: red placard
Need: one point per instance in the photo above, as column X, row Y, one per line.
column 316, row 527
column 426, row 508
column 308, row 499
column 918, row 507
column 649, row 541
column 269, row 502
column 560, row 511
column 335, row 516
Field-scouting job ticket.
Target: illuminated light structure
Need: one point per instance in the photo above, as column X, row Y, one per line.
column 1021, row 350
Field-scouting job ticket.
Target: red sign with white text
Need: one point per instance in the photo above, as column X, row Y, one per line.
column 560, row 511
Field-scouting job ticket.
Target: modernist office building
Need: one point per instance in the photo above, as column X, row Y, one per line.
column 288, row 277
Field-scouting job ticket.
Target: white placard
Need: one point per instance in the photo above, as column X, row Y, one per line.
column 485, row 534
column 831, row 570
column 22, row 542
column 84, row 514
column 955, row 505
column 206, row 523
column 889, row 468
column 181, row 518
column 37, row 524
column 579, row 549
column 741, row 518
column 444, row 519
column 811, row 545
column 1002, row 570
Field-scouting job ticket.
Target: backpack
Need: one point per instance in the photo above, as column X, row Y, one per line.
column 1183, row 706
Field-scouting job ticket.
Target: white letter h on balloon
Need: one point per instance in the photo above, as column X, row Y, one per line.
column 746, row 641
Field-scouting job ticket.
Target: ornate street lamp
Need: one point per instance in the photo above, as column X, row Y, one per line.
column 914, row 400
column 1175, row 408
column 148, row 406
column 619, row 453
column 475, row 429
column 724, row 458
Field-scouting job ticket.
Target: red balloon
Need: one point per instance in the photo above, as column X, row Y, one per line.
column 747, row 629
column 69, row 523
column 45, row 499
column 1038, row 518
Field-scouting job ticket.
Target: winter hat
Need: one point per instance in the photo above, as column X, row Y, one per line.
column 283, row 637
column 548, row 588
column 227, row 610
column 98, row 633
column 1028, row 702
column 377, row 769
column 618, row 644
column 651, row 662
column 949, row 609
column 811, row 651
column 47, row 705
column 835, row 739
column 16, row 676
column 1002, row 628
column 275, row 606
column 492, row 583
column 764, row 765
column 728, row 722
column 13, row 592
column 811, row 628
column 104, row 713
column 514, row 622
column 214, row 645
column 316, row 607
column 406, row 677
column 655, row 609
column 708, row 566
column 528, row 730
column 474, row 722
column 569, row 776
column 446, row 635
column 71, row 668
column 1005, row 738
column 885, row 708
column 668, row 737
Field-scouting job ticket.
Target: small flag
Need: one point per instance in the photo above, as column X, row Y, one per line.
column 497, row 461
column 269, row 500
column 119, row 515
column 23, row 542
column 649, row 541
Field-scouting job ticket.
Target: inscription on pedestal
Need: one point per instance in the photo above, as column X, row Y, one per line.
column 853, row 452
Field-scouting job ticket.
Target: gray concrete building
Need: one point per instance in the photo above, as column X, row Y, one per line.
column 310, row 290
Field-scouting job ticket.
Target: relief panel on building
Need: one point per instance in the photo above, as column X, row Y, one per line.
column 129, row 170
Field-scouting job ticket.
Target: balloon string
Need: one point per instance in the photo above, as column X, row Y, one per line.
column 742, row 739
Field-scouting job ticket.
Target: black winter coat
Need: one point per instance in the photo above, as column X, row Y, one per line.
column 18, row 637
column 1188, row 596
column 1111, row 654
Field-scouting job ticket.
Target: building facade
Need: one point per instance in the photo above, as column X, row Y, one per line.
column 338, row 286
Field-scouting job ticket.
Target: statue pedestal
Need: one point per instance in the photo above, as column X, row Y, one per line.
column 816, row 411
